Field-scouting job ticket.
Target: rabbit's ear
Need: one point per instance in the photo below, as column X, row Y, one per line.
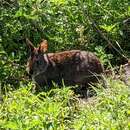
column 29, row 43
column 43, row 46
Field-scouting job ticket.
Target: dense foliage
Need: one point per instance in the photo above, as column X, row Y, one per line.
column 100, row 26
column 59, row 109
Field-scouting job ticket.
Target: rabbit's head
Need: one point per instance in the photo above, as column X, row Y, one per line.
column 38, row 61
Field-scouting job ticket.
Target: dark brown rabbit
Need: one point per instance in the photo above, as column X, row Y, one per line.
column 73, row 67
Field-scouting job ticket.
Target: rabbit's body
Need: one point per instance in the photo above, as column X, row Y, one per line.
column 73, row 67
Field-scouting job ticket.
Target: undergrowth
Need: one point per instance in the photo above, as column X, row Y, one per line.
column 60, row 109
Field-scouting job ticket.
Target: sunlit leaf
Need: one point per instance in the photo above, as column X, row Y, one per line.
column 108, row 28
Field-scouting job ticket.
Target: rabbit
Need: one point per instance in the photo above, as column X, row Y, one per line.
column 74, row 67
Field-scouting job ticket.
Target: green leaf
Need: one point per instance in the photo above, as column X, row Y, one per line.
column 11, row 125
column 108, row 28
column 129, row 9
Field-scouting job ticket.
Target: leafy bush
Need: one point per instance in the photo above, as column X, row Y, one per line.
column 71, row 24
column 23, row 110
column 63, row 23
column 109, row 110
column 59, row 109
column 99, row 26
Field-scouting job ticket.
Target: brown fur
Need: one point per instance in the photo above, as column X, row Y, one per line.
column 61, row 57
column 74, row 67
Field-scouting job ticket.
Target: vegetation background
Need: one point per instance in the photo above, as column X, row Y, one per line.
column 100, row 26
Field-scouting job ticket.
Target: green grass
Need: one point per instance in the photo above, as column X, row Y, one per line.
column 60, row 109
column 109, row 110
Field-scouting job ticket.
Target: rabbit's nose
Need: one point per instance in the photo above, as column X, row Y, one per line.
column 36, row 58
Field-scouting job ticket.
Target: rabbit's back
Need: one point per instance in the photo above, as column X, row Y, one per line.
column 74, row 67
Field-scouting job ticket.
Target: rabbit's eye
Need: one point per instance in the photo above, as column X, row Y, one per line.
column 39, row 62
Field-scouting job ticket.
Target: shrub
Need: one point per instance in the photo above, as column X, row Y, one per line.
column 60, row 109
column 71, row 24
